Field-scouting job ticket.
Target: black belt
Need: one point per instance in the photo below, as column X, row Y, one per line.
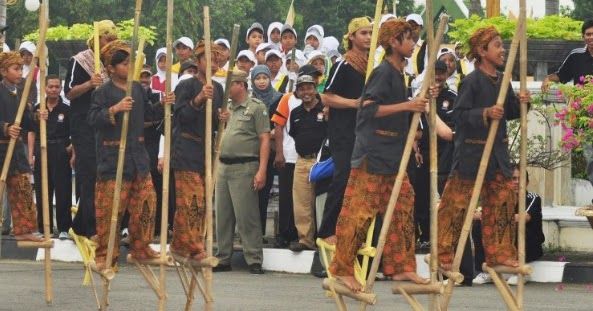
column 57, row 141
column 309, row 156
column 239, row 160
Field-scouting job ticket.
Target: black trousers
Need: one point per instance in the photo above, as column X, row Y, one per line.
column 264, row 193
column 286, row 228
column 335, row 193
column 83, row 140
column 59, row 182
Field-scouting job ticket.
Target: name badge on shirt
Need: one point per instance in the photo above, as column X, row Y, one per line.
column 61, row 117
column 320, row 116
column 445, row 105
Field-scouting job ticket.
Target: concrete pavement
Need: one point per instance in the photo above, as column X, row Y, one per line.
column 21, row 289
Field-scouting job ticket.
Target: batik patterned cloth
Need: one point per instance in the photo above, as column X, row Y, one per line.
column 498, row 217
column 23, row 210
column 139, row 198
column 365, row 196
column 189, row 223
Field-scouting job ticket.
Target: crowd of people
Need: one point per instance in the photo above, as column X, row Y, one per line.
column 288, row 109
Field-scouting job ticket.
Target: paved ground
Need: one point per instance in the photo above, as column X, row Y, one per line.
column 21, row 289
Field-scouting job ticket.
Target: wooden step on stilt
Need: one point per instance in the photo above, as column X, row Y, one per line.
column 415, row 289
column 365, row 251
column 338, row 287
column 455, row 276
column 525, row 269
column 32, row 244
column 208, row 262
column 108, row 274
column 168, row 260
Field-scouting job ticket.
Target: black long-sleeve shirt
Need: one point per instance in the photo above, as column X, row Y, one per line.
column 108, row 130
column 9, row 104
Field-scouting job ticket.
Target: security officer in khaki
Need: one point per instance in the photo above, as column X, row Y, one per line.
column 241, row 174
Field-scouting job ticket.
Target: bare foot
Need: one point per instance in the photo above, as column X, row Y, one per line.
column 331, row 240
column 510, row 263
column 350, row 282
column 28, row 237
column 446, row 266
column 200, row 256
column 410, row 276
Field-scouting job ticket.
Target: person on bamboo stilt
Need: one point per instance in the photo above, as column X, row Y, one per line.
column 108, row 105
column 473, row 112
column 188, row 154
column 382, row 125
column 20, row 196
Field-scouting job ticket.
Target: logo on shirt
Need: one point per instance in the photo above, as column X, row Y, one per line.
column 61, row 117
column 445, row 105
column 320, row 116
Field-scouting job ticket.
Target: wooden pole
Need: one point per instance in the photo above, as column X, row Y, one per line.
column 121, row 155
column 96, row 48
column 484, row 162
column 404, row 162
column 43, row 24
column 433, row 154
column 166, row 158
column 374, row 38
column 209, row 182
column 522, row 155
column 292, row 61
column 225, row 99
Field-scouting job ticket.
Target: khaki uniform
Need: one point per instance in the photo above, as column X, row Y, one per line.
column 236, row 201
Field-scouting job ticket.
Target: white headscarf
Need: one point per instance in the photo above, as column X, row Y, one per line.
column 160, row 73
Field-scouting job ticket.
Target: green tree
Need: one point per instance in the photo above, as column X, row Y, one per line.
column 583, row 9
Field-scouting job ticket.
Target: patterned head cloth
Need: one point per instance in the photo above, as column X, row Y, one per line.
column 8, row 59
column 391, row 29
column 106, row 29
column 200, row 49
column 111, row 48
column 481, row 37
column 355, row 24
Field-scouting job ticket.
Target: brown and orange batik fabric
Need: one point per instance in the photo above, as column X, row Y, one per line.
column 20, row 198
column 365, row 196
column 498, row 217
column 188, row 227
column 139, row 198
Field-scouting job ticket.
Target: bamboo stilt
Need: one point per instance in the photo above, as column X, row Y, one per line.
column 207, row 272
column 413, row 289
column 416, row 306
column 341, row 289
column 46, row 244
column 484, row 162
column 121, row 156
column 522, row 157
column 43, row 23
column 166, row 159
column 404, row 162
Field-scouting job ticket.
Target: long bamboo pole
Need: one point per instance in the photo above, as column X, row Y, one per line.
column 209, row 181
column 374, row 38
column 433, row 154
column 43, row 23
column 483, row 163
column 17, row 122
column 225, row 99
column 404, row 162
column 522, row 155
column 96, row 48
column 166, row 157
column 121, row 155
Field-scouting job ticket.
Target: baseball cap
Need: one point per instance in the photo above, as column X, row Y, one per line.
column 185, row 41
column 307, row 70
column 333, row 53
column 416, row 18
column 273, row 52
column 28, row 46
column 444, row 51
column 299, row 56
column 254, row 26
column 315, row 54
column 248, row 54
column 305, row 79
column 224, row 42
column 187, row 64
column 286, row 28
column 262, row 46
